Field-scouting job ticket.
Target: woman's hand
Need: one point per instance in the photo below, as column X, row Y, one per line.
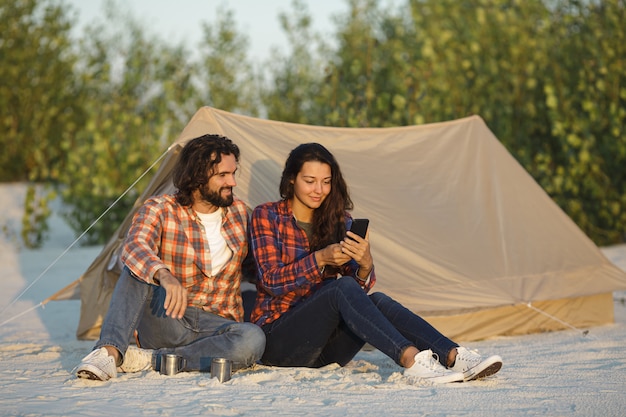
column 331, row 255
column 358, row 249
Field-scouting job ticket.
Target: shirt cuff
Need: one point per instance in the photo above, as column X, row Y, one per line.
column 366, row 281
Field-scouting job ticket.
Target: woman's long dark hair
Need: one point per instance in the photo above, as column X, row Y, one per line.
column 329, row 219
column 196, row 163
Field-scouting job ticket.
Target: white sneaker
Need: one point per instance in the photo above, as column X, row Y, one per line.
column 136, row 360
column 97, row 365
column 427, row 367
column 474, row 366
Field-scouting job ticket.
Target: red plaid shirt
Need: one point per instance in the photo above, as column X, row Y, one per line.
column 287, row 270
column 165, row 234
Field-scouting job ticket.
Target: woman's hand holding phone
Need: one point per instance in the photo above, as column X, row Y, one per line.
column 356, row 245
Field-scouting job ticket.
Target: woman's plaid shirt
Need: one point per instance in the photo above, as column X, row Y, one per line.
column 165, row 234
column 287, row 270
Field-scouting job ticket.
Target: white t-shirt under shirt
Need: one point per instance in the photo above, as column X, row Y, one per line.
column 220, row 252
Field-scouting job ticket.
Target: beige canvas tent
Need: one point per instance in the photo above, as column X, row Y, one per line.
column 460, row 232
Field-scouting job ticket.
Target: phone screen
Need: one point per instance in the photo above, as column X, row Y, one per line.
column 359, row 226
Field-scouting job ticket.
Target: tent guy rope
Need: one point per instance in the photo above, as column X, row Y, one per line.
column 551, row 317
column 54, row 262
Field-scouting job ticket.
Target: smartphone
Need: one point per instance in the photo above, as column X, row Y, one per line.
column 359, row 226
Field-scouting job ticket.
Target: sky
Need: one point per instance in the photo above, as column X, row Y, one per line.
column 181, row 20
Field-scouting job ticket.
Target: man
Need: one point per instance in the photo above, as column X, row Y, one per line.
column 180, row 287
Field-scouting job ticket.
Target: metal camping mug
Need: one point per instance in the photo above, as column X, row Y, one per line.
column 221, row 369
column 172, row 364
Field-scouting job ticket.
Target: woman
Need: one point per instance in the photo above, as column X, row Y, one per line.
column 313, row 280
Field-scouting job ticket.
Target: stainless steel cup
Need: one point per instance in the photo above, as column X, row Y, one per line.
column 172, row 364
column 221, row 369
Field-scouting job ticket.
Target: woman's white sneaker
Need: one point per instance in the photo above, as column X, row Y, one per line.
column 428, row 368
column 473, row 366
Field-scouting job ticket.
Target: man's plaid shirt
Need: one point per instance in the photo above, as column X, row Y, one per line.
column 165, row 234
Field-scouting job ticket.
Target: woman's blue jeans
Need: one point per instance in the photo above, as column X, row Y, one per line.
column 198, row 337
column 333, row 324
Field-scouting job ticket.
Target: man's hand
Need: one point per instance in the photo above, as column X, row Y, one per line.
column 175, row 294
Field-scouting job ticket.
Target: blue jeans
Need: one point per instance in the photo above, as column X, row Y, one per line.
column 198, row 337
column 333, row 324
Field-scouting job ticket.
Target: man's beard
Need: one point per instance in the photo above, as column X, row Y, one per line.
column 215, row 198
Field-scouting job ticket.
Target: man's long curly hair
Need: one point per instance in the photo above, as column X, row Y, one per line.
column 329, row 219
column 197, row 162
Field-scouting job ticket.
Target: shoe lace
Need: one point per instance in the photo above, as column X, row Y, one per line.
column 469, row 356
column 432, row 362
column 98, row 356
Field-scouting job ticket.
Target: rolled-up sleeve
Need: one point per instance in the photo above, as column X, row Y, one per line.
column 141, row 249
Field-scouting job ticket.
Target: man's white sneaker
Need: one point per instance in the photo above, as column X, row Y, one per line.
column 474, row 366
column 136, row 360
column 97, row 365
column 427, row 367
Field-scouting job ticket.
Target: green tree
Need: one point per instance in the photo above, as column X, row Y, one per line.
column 40, row 114
column 227, row 77
column 40, row 110
column 369, row 81
column 137, row 90
column 585, row 90
column 295, row 79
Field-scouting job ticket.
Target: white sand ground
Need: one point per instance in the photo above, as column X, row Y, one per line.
column 554, row 374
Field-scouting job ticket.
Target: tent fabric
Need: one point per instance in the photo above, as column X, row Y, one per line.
column 460, row 232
